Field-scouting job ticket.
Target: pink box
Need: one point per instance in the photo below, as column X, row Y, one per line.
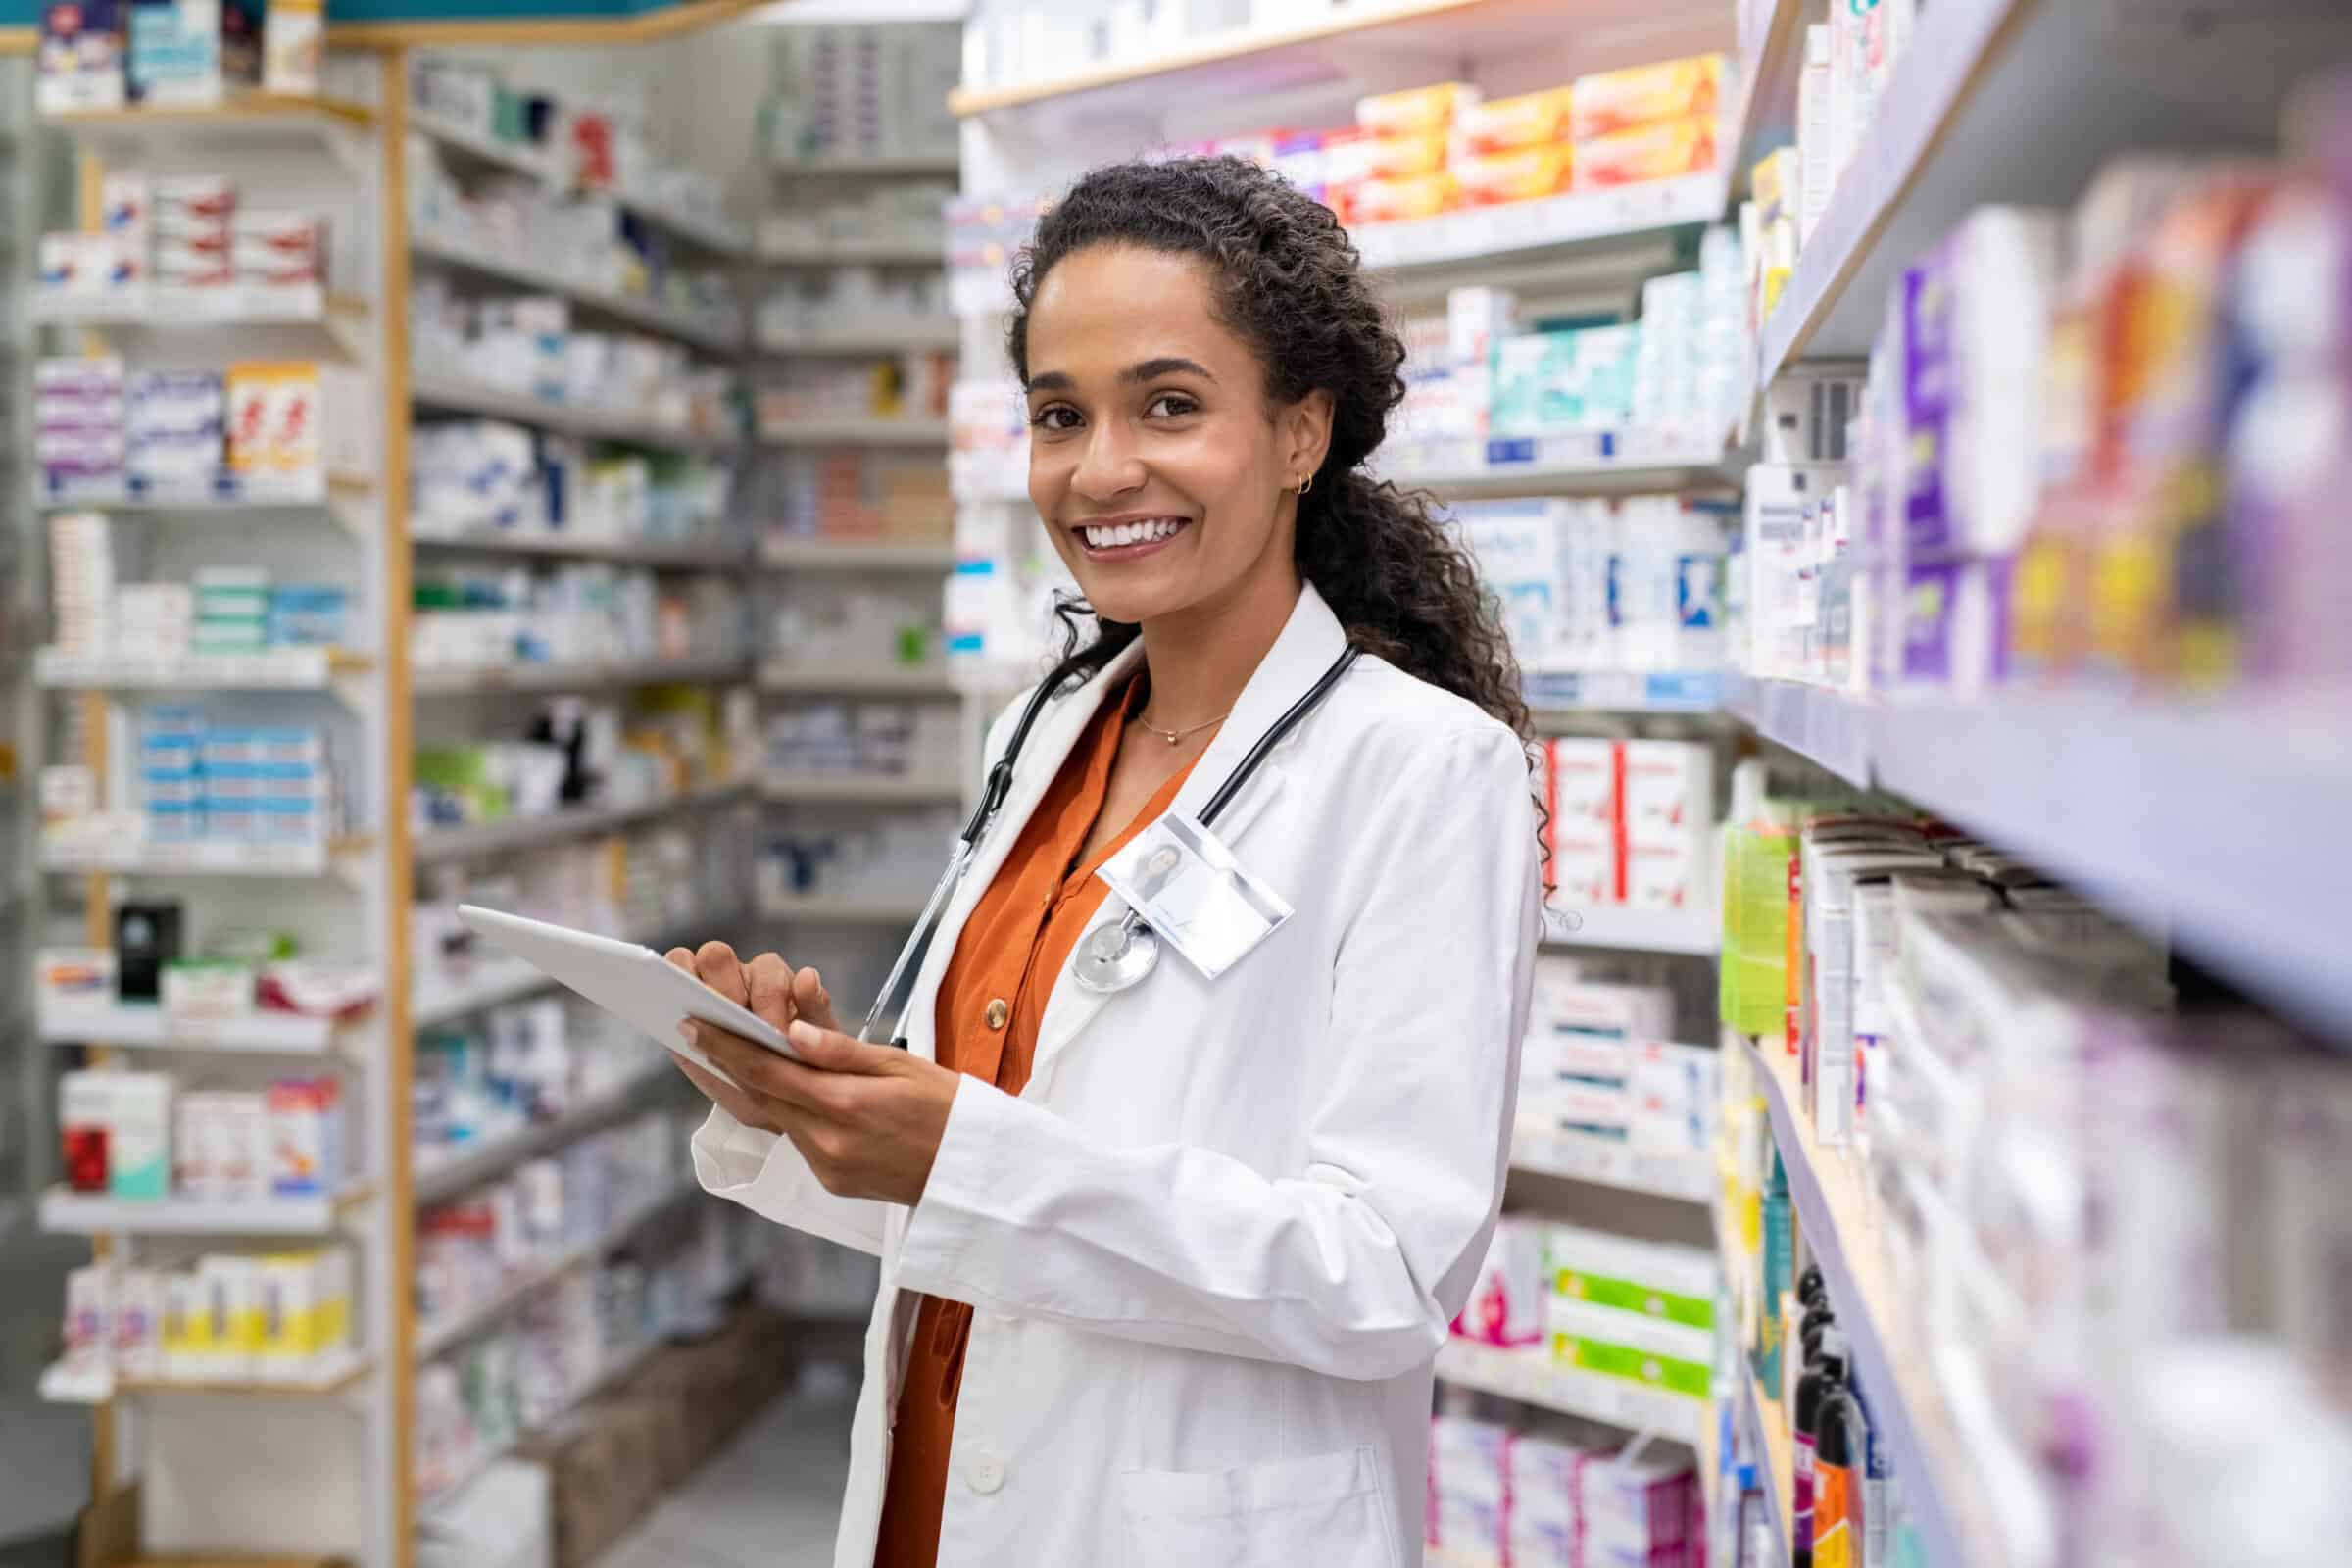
column 1506, row 1305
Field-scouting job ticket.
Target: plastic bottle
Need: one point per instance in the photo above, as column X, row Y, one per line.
column 1839, row 1445
column 1825, row 1371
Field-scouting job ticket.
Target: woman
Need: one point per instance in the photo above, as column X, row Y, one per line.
column 1163, row 1271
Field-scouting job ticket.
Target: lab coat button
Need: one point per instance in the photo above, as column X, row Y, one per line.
column 997, row 1013
column 985, row 1473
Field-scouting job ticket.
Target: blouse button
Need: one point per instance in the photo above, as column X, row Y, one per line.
column 997, row 1013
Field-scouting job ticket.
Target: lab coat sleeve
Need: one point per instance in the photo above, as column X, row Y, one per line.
column 766, row 1175
column 1353, row 1265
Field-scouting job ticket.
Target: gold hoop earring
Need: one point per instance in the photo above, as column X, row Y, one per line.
column 1306, row 483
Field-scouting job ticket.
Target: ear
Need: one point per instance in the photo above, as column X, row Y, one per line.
column 1303, row 428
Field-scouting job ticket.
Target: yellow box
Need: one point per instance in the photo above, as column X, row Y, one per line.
column 1507, row 124
column 1640, row 95
column 1515, row 176
column 1404, row 156
column 273, row 415
column 1646, row 152
column 1399, row 114
column 1395, row 201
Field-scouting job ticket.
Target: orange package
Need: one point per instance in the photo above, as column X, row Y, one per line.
column 1397, row 201
column 1515, row 176
column 1671, row 89
column 1416, row 109
column 1403, row 157
column 1531, row 119
column 1646, row 152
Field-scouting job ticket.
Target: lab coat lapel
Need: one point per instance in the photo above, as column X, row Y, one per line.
column 1310, row 640
column 1034, row 770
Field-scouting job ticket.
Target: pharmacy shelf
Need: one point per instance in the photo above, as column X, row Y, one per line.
column 449, row 394
column 478, row 148
column 855, row 432
column 1532, row 1377
column 618, row 1370
column 1542, row 231
column 223, row 494
column 1285, row 52
column 633, row 309
column 64, row 1384
column 2214, row 821
column 1829, row 727
column 1624, row 691
column 264, row 670
column 906, row 334
column 1584, row 1157
column 527, row 832
column 877, row 680
column 2021, row 102
column 1771, row 53
column 66, row 1212
column 107, row 1021
column 930, row 252
column 485, row 151
column 858, row 788
column 1694, row 931
column 943, row 165
column 130, row 857
column 1768, row 1439
column 715, row 552
column 787, row 553
column 163, row 308
column 1941, row 1490
column 432, row 1339
column 1596, row 463
column 247, row 116
column 438, row 1180
column 587, row 674
column 842, row 908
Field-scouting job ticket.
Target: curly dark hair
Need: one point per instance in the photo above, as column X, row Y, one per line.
column 1401, row 585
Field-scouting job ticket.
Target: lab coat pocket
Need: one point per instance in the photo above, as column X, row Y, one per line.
column 1329, row 1510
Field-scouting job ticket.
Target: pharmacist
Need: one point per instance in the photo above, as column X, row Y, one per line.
column 1166, row 1257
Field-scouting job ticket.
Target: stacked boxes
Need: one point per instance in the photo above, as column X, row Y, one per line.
column 1632, row 824
column 268, row 785
column 232, row 1317
column 1592, row 585
column 82, row 580
column 1647, row 122
column 1533, row 1500
column 139, row 1135
column 1598, row 1060
column 232, row 610
column 114, row 1129
column 1639, row 1310
column 173, row 429
column 78, row 436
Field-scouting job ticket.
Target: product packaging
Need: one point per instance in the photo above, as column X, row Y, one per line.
column 80, row 56
column 1641, row 95
column 139, row 1135
column 1505, row 1306
column 85, row 1128
column 1414, row 110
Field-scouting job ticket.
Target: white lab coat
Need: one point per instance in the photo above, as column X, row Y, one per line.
column 1214, row 1245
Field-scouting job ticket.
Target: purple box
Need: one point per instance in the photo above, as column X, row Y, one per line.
column 1952, row 622
column 1925, row 354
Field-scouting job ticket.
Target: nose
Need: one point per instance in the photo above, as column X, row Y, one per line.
column 1108, row 464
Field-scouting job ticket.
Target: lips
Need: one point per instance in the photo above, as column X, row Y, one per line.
column 1128, row 536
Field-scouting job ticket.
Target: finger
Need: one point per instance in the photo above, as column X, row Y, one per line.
column 771, row 980
column 765, row 1075
column 811, row 1001
column 680, row 958
column 831, row 1050
column 715, row 965
column 721, row 1093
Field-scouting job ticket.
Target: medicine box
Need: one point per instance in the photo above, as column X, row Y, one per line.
column 1622, row 1274
column 1506, row 1304
column 305, row 1136
column 136, row 1342
column 139, row 1135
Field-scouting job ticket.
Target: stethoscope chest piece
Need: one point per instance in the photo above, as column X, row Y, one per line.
column 1114, row 957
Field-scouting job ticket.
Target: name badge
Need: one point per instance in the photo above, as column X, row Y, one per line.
column 1183, row 880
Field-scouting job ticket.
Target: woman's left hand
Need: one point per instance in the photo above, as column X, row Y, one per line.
column 867, row 1118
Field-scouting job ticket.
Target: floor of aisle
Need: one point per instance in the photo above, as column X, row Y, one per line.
column 768, row 1501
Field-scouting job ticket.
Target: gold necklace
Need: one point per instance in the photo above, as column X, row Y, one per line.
column 1176, row 736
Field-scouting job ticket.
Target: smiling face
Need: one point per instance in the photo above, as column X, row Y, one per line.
column 1160, row 472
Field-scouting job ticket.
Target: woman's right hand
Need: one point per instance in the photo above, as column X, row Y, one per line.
column 773, row 991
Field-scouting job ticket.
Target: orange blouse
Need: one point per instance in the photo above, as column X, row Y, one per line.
column 990, row 1005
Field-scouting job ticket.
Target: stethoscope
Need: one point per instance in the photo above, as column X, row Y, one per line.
column 1112, row 958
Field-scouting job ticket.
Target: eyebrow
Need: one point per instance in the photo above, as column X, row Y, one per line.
column 1140, row 371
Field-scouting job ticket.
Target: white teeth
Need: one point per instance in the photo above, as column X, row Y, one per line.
column 1131, row 533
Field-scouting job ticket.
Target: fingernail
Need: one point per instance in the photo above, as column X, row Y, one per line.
column 800, row 1034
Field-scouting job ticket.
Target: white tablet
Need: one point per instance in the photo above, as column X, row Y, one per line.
column 632, row 983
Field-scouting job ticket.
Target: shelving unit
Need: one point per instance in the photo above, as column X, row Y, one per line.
column 1604, row 463
column 447, row 394
column 715, row 553
column 851, row 432
column 64, row 1384
column 439, row 1181
column 880, row 681
column 850, row 787
column 434, row 681
column 522, row 832
column 629, row 310
column 152, row 1028
column 67, row 1212
column 1586, row 1158
column 1531, row 1377
column 825, row 555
